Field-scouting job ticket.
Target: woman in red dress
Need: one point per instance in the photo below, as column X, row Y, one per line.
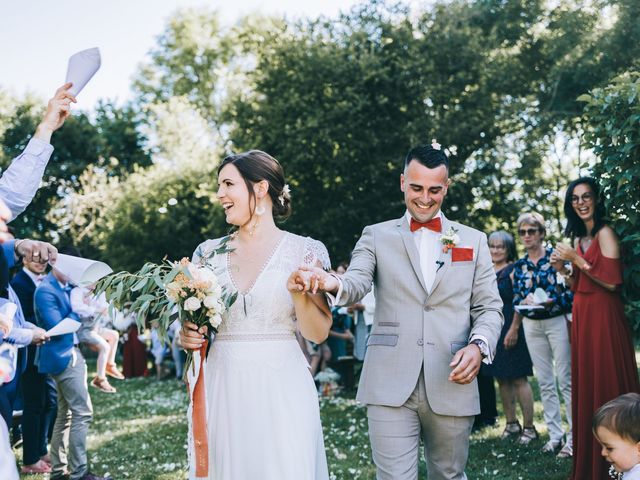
column 603, row 364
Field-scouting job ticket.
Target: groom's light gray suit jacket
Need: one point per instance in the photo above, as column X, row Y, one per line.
column 413, row 327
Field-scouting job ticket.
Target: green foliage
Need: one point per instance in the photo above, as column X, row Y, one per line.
column 162, row 211
column 613, row 118
column 340, row 102
column 147, row 292
column 111, row 141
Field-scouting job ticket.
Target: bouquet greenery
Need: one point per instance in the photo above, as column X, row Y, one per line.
column 164, row 292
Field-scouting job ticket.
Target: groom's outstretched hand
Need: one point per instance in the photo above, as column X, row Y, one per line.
column 311, row 279
column 467, row 363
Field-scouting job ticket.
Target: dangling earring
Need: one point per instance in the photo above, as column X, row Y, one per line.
column 259, row 211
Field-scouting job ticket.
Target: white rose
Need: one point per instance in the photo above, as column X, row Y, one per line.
column 210, row 301
column 193, row 270
column 207, row 275
column 456, row 239
column 192, row 304
column 215, row 321
column 215, row 291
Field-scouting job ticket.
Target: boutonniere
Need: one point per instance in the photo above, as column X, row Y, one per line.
column 449, row 239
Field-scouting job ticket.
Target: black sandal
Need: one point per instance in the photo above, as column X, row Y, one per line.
column 513, row 429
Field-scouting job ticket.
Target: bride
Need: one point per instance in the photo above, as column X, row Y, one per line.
column 263, row 414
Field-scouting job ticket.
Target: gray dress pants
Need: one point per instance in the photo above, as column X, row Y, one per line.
column 72, row 423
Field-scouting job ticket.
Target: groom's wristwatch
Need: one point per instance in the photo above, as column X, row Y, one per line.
column 484, row 349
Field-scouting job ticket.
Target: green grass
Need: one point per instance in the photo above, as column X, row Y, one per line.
column 140, row 433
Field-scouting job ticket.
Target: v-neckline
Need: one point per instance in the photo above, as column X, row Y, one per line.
column 583, row 250
column 262, row 269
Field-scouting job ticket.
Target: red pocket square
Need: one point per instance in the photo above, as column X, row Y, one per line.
column 461, row 254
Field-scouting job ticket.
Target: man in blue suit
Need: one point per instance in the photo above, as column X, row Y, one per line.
column 62, row 359
column 38, row 390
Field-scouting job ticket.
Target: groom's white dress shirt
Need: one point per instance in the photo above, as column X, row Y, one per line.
column 20, row 182
column 428, row 245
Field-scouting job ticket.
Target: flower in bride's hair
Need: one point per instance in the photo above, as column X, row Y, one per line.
column 286, row 194
column 435, row 145
column 192, row 304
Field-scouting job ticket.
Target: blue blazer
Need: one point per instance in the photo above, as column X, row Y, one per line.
column 51, row 306
column 25, row 288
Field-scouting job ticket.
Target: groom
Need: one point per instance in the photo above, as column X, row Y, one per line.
column 438, row 315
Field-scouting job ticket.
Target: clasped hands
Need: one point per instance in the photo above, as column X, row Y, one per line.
column 308, row 279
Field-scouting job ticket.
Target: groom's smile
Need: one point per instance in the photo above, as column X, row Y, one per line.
column 424, row 189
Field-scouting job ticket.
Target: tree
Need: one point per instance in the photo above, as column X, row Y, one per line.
column 612, row 117
column 165, row 209
column 111, row 141
column 339, row 102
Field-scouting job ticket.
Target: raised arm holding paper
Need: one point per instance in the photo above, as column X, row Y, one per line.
column 20, row 182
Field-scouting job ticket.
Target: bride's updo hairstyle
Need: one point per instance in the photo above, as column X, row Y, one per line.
column 255, row 166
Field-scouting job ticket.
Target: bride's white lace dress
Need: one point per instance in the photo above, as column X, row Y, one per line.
column 263, row 413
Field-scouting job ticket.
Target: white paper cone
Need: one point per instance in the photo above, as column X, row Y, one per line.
column 81, row 271
column 82, row 66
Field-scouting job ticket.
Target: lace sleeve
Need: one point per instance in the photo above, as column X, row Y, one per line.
column 204, row 251
column 314, row 252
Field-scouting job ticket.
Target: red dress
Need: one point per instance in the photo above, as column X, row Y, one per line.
column 134, row 353
column 603, row 364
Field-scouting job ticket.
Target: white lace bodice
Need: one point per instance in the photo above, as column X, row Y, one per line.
column 266, row 309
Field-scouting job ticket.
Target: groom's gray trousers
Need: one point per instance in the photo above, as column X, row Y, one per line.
column 395, row 434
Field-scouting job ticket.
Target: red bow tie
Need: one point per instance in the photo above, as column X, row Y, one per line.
column 435, row 224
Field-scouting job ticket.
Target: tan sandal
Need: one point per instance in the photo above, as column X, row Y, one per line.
column 103, row 385
column 112, row 371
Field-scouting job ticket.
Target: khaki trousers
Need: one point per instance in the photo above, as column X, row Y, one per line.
column 395, row 434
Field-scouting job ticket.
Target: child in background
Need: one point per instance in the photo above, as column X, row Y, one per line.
column 93, row 311
column 616, row 425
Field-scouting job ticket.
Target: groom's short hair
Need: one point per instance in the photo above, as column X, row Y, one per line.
column 427, row 156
